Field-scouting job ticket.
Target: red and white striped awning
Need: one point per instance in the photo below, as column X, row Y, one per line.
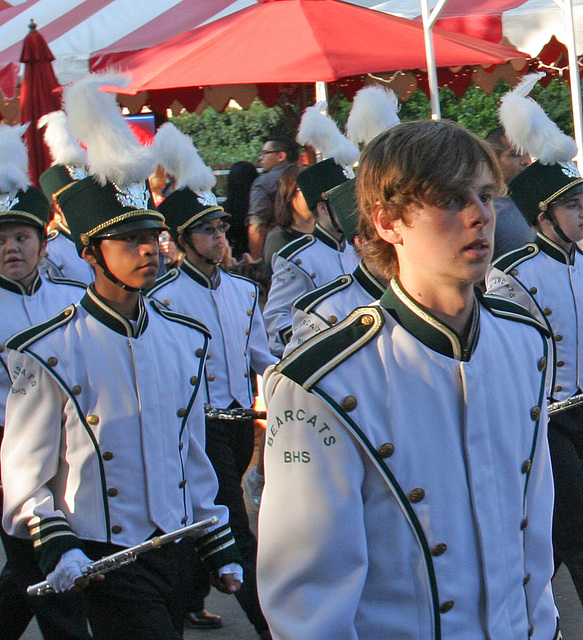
column 74, row 29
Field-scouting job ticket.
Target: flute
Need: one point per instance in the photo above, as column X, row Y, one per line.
column 561, row 405
column 235, row 414
column 126, row 556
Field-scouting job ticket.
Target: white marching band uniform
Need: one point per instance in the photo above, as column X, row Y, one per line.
column 131, row 452
column 229, row 308
column 431, row 489
column 301, row 266
column 62, row 259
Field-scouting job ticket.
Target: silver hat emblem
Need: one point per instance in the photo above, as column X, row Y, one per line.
column 8, row 200
column 135, row 195
column 206, row 198
column 569, row 169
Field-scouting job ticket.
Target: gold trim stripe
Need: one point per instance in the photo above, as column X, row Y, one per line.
column 23, row 214
column 85, row 237
column 545, row 203
column 195, row 217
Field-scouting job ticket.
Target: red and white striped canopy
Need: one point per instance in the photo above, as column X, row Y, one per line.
column 74, row 29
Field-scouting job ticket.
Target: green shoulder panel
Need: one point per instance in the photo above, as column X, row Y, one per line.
column 504, row 308
column 311, row 299
column 512, row 259
column 21, row 340
column 178, row 317
column 295, row 246
column 312, row 361
column 60, row 280
column 163, row 280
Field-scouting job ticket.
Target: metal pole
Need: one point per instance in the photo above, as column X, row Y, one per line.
column 567, row 8
column 429, row 19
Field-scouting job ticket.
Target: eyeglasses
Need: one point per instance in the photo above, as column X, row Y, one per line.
column 265, row 153
column 210, row 230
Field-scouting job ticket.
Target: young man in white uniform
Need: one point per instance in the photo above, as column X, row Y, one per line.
column 408, row 485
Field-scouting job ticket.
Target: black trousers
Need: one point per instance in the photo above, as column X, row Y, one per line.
column 139, row 601
column 59, row 617
column 566, row 445
column 229, row 446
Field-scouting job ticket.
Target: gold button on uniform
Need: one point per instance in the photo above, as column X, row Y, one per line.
column 166, row 302
column 526, row 466
column 246, row 374
column 533, row 290
column 446, row 606
column 76, row 389
column 249, row 312
column 116, row 529
column 181, row 412
column 52, row 361
column 2, row 347
column 560, row 363
column 524, row 524
column 535, row 413
column 253, row 294
column 211, row 377
column 181, row 446
column 208, row 356
column 526, row 579
column 247, row 332
column 107, row 455
column 298, row 261
column 542, row 363
column 558, row 337
column 332, row 320
column 367, row 320
column 112, row 492
column 182, row 484
column 194, row 381
column 184, row 520
column 416, row 495
column 349, row 403
column 199, row 353
column 439, row 549
column 312, row 275
column 386, row 450
column 513, row 272
column 68, row 311
column 93, row 419
column 558, row 388
column 547, row 311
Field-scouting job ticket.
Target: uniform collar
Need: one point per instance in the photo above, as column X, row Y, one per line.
column 198, row 276
column 553, row 250
column 426, row 327
column 327, row 238
column 367, row 281
column 16, row 287
column 95, row 306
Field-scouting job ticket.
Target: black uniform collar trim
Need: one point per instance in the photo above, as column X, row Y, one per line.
column 426, row 327
column 327, row 238
column 553, row 250
column 198, row 276
column 95, row 306
column 367, row 281
column 16, row 287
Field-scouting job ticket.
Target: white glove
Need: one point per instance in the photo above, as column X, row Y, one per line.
column 70, row 567
column 235, row 569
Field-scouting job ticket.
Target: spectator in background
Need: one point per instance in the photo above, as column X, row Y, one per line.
column 293, row 217
column 239, row 181
column 278, row 152
column 512, row 231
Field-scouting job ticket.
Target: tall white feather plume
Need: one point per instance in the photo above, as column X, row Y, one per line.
column 113, row 153
column 175, row 151
column 13, row 159
column 374, row 110
column 320, row 131
column 529, row 129
column 63, row 146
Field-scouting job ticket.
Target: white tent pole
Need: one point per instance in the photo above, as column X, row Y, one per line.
column 567, row 8
column 321, row 92
column 429, row 19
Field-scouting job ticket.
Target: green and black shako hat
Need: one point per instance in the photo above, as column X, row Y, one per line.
column 552, row 176
column 19, row 201
column 114, row 198
column 192, row 204
column 343, row 201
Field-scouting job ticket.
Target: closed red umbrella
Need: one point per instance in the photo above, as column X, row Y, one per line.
column 296, row 41
column 37, row 97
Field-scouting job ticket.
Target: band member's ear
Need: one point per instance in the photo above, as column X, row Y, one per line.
column 88, row 254
column 386, row 226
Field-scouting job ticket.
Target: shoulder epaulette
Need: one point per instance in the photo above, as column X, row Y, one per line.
column 504, row 308
column 163, row 280
column 314, row 359
column 189, row 321
column 61, row 280
column 512, row 259
column 307, row 301
column 21, row 340
column 295, row 246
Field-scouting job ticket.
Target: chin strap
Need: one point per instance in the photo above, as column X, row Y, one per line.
column 98, row 255
column 552, row 219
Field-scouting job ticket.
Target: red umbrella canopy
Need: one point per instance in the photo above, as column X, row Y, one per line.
column 37, row 97
column 293, row 41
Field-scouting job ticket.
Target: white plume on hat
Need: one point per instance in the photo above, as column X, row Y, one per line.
column 529, row 129
column 63, row 146
column 13, row 159
column 113, row 152
column 176, row 152
column 321, row 132
column 373, row 111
